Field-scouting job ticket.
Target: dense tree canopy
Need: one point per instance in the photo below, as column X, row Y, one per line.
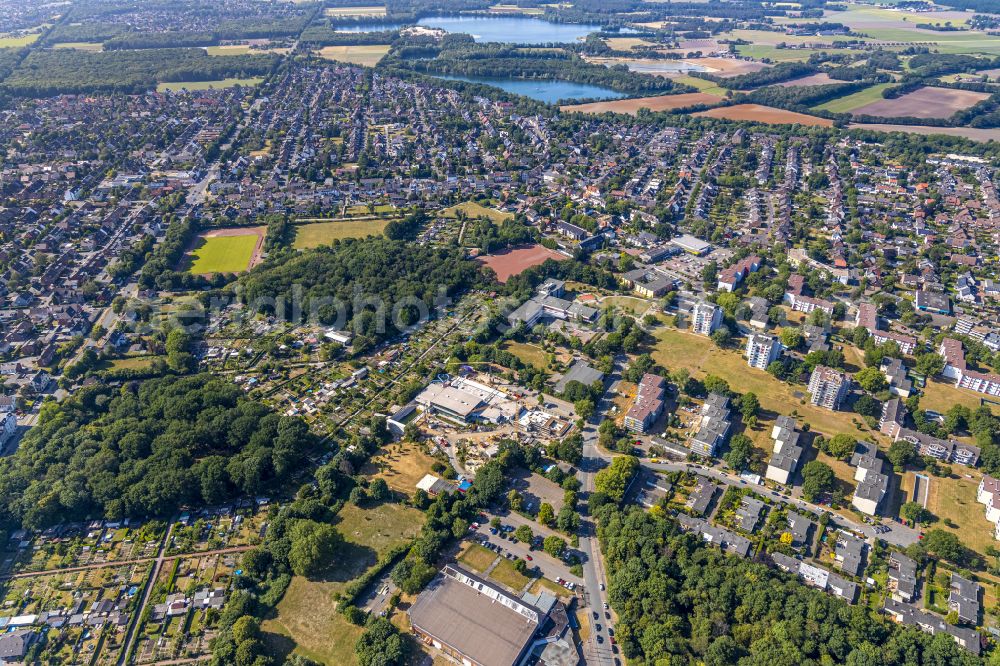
column 147, row 449
column 378, row 283
column 680, row 601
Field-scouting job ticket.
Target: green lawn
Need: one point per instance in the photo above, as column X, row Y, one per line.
column 477, row 558
column 223, row 254
column 854, row 101
column 703, row 85
column 474, row 210
column 632, row 304
column 176, row 86
column 324, row 233
column 506, row 574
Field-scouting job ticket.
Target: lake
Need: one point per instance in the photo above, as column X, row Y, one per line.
column 511, row 29
column 549, row 92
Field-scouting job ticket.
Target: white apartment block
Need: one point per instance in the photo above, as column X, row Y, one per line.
column 762, row 350
column 705, row 318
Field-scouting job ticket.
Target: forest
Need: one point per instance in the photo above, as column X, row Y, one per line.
column 382, row 285
column 682, row 601
column 56, row 71
column 147, row 449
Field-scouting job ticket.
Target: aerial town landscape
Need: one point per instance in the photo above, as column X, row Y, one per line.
column 631, row 332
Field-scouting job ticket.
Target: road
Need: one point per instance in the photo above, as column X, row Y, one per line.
column 597, row 649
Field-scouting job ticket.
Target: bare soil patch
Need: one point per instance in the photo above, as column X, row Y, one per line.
column 928, row 102
column 632, row 106
column 513, row 262
column 765, row 114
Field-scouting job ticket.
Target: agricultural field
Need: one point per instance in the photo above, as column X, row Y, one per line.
column 226, row 250
column 176, row 86
column 508, row 9
column 626, row 43
column 765, row 114
column 927, row 102
column 820, row 79
column 366, row 55
column 973, row 133
column 315, row 234
column 632, row 106
column 356, row 12
column 473, row 210
column 228, row 50
column 854, row 101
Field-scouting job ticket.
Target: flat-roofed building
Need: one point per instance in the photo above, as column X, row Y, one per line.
column 475, row 621
column 691, row 245
column 762, row 350
column 828, row 387
column 705, row 318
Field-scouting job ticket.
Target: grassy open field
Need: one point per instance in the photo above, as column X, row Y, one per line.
column 402, row 466
column 324, row 233
column 306, row 619
column 473, row 209
column 93, row 47
column 679, row 349
column 954, row 498
column 223, row 254
column 506, row 574
column 939, row 396
column 206, row 85
column 773, row 53
column 702, row 85
column 17, row 41
column 632, row 304
column 366, row 55
column 530, row 354
column 849, row 103
column 477, row 558
column 134, row 362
